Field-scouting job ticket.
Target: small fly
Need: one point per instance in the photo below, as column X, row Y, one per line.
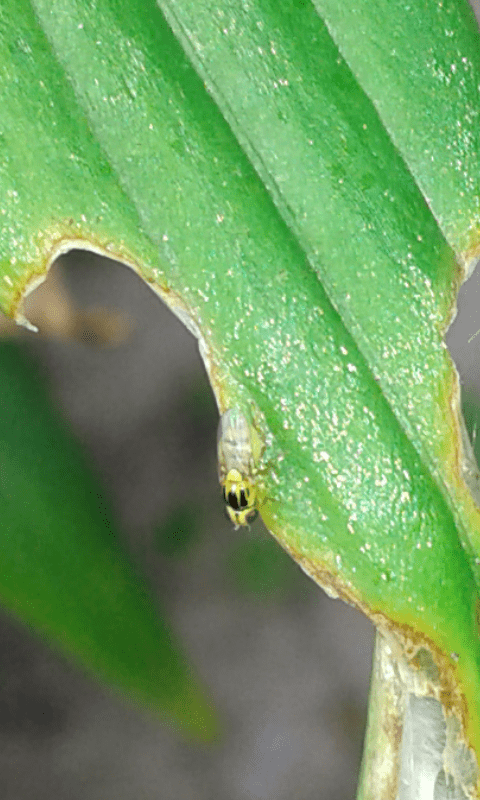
column 239, row 448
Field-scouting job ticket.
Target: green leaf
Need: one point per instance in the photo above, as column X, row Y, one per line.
column 334, row 172
column 419, row 64
column 281, row 217
column 63, row 569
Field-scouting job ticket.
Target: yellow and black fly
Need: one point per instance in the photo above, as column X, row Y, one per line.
column 239, row 450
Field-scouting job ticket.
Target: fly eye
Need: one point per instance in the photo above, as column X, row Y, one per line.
column 237, row 501
column 232, row 501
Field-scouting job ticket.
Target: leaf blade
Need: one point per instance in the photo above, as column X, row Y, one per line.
column 63, row 568
column 423, row 73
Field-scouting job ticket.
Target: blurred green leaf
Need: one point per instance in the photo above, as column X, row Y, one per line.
column 63, row 567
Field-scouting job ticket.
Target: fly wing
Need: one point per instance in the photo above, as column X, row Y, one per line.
column 222, row 465
column 234, row 444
